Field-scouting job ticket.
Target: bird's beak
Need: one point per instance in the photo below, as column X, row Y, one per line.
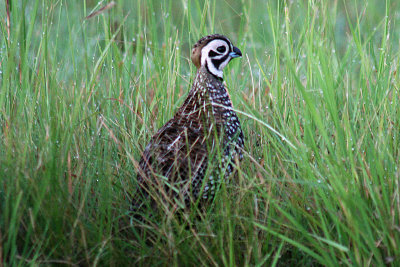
column 236, row 52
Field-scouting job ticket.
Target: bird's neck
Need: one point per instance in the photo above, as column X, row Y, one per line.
column 207, row 89
column 215, row 88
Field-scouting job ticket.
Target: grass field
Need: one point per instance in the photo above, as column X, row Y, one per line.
column 317, row 93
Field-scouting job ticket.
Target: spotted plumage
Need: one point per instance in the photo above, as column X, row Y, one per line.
column 174, row 164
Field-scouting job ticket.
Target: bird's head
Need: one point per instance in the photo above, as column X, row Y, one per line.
column 214, row 52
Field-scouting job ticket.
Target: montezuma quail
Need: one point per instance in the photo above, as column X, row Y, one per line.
column 181, row 162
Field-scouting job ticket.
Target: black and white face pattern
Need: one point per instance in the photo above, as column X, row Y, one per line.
column 217, row 54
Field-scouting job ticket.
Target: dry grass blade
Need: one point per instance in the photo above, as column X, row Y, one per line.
column 101, row 10
column 8, row 19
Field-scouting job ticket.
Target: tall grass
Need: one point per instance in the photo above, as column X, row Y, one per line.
column 317, row 93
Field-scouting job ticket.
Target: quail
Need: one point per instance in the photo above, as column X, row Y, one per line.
column 188, row 157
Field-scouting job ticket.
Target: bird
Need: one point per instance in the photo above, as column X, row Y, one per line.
column 187, row 158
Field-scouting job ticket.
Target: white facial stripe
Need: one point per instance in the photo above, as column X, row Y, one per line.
column 219, row 57
column 213, row 69
column 212, row 46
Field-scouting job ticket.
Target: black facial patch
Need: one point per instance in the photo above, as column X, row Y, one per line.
column 212, row 54
column 218, row 62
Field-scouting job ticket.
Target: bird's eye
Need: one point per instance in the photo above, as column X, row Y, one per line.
column 221, row 49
